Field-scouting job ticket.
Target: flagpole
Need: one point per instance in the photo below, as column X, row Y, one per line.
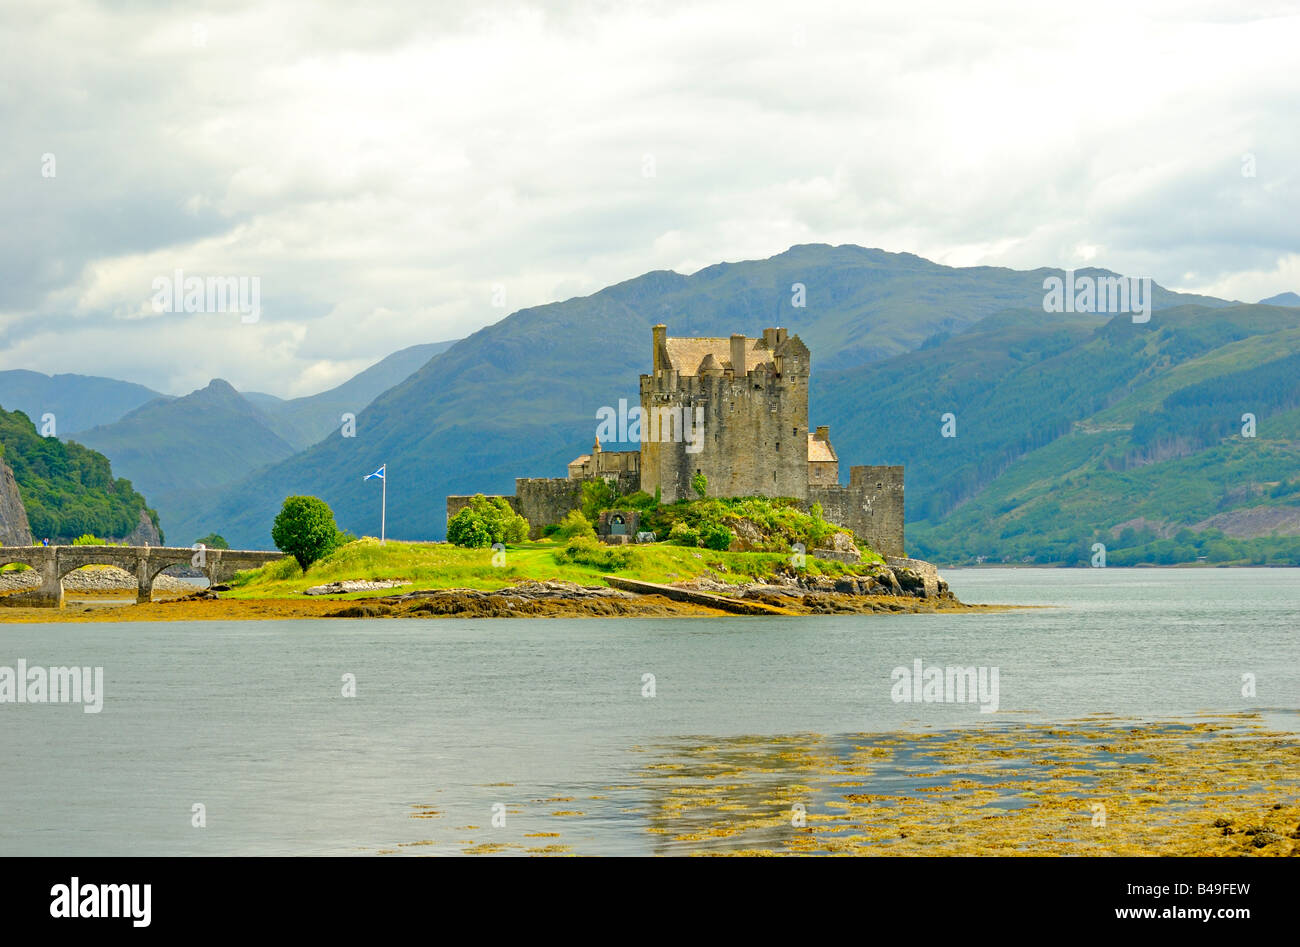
column 383, row 506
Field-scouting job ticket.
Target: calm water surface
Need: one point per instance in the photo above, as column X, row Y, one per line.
column 248, row 718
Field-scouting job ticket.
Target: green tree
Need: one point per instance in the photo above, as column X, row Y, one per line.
column 212, row 541
column 700, row 484
column 486, row 520
column 305, row 529
column 469, row 528
column 598, row 495
column 574, row 525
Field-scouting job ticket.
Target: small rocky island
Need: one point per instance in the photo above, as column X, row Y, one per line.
column 889, row 589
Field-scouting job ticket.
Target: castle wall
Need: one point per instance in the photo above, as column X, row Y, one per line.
column 871, row 505
column 546, row 500
column 755, row 436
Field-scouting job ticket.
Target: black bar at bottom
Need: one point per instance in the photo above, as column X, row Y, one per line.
column 300, row 895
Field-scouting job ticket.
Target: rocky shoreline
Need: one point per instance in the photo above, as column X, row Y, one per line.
column 894, row 588
column 905, row 586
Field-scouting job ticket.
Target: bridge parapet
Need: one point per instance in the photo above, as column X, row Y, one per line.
column 145, row 562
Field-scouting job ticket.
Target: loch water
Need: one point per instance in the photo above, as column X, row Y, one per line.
column 455, row 722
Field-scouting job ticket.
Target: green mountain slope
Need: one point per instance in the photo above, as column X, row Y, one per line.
column 304, row 421
column 78, row 402
column 519, row 398
column 1119, row 433
column 67, row 489
column 179, row 448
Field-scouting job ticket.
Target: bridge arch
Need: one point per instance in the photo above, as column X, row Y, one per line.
column 20, row 554
column 145, row 562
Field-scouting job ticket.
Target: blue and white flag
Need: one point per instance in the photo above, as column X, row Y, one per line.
column 378, row 473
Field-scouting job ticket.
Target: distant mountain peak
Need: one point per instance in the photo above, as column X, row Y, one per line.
column 1282, row 299
column 219, row 392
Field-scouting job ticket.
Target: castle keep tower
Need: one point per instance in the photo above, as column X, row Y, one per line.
column 735, row 410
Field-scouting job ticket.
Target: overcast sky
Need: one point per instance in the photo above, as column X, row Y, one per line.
column 385, row 168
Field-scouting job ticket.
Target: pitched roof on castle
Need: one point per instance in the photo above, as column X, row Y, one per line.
column 820, row 450
column 687, row 355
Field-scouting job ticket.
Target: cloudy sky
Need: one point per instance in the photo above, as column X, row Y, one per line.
column 406, row 172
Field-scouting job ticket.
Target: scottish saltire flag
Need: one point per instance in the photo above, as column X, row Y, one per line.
column 378, row 473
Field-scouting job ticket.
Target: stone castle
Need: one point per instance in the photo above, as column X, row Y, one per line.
column 721, row 408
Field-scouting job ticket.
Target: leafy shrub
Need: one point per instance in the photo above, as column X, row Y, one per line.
column 778, row 522
column 469, row 529
column 684, row 535
column 213, row 541
column 485, row 521
column 640, row 500
column 717, row 537
column 575, row 525
column 700, row 484
column 597, row 496
column 86, row 539
column 282, row 569
column 588, row 552
column 305, row 529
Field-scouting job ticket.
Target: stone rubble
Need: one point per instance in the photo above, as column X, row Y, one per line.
column 887, row 580
column 353, row 585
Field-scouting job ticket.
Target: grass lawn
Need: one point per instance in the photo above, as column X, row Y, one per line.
column 440, row 565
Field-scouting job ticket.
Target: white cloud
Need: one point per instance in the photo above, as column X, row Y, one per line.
column 381, row 171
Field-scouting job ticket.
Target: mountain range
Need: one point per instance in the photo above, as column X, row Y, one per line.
column 178, row 449
column 519, row 398
column 1071, row 428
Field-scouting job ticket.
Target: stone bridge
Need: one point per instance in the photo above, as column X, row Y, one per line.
column 54, row 562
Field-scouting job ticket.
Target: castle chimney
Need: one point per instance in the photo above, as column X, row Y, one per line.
column 659, row 335
column 823, row 432
column 738, row 355
column 769, row 338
